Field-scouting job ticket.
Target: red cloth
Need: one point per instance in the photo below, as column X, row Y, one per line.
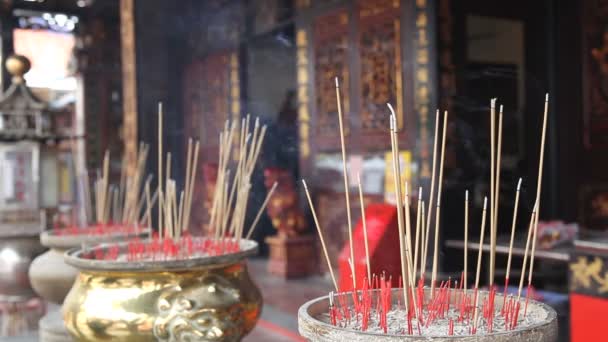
column 587, row 318
column 383, row 243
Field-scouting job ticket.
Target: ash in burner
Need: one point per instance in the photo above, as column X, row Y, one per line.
column 397, row 322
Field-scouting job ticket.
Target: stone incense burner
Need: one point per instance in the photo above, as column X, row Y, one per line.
column 208, row 298
column 314, row 327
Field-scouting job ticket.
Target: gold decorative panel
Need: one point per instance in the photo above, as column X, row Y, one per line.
column 380, row 55
column 422, row 85
column 303, row 90
column 331, row 60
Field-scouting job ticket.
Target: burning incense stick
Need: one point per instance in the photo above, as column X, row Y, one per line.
column 397, row 181
column 345, row 174
column 314, row 216
column 538, row 187
column 466, row 238
column 438, row 210
column 364, row 222
column 492, row 187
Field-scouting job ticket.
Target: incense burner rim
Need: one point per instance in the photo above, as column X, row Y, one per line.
column 305, row 317
column 51, row 239
column 73, row 258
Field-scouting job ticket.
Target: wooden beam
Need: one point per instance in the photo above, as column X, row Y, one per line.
column 129, row 82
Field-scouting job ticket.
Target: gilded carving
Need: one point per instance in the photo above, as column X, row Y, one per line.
column 380, row 53
column 331, row 61
column 235, row 97
column 585, row 274
column 189, row 311
column 422, row 84
column 303, row 97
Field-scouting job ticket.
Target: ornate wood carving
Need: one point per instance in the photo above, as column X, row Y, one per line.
column 380, row 54
column 129, row 85
column 331, row 60
column 207, row 92
column 595, row 72
column 593, row 206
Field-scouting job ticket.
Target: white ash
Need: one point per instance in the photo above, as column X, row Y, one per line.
column 397, row 322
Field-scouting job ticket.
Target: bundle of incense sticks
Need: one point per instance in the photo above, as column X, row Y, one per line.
column 449, row 305
column 232, row 188
column 229, row 207
column 100, row 230
column 117, row 207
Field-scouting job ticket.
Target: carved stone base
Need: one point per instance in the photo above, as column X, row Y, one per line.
column 292, row 257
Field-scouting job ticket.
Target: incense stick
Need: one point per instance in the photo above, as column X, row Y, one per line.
column 417, row 239
column 397, row 182
column 480, row 252
column 492, row 182
column 408, row 236
column 364, row 222
column 466, row 238
column 314, row 216
column 498, row 168
column 190, row 189
column 426, row 243
column 345, row 174
column 432, row 193
column 148, row 210
column 497, row 184
column 523, row 267
column 513, row 224
column 438, row 209
column 261, row 210
column 408, row 246
column 160, row 168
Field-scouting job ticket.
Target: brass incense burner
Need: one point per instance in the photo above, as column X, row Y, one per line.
column 196, row 299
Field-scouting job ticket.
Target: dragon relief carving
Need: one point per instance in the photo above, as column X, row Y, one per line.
column 207, row 308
